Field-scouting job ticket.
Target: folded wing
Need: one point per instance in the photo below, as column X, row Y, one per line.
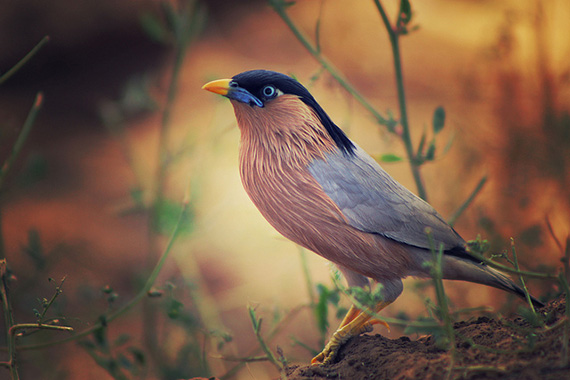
column 374, row 202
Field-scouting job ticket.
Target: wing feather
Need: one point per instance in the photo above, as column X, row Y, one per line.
column 374, row 202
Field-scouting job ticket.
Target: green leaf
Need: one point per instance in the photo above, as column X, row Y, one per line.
column 256, row 323
column 121, row 340
column 390, row 157
column 438, row 119
column 405, row 11
column 100, row 336
column 138, row 355
column 174, row 309
column 334, row 298
column 124, row 362
column 341, row 312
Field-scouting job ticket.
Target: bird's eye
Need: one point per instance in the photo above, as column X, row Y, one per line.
column 269, row 91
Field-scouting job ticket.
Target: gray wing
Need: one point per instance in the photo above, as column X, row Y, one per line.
column 374, row 202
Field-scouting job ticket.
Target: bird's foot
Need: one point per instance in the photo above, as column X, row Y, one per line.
column 341, row 336
column 355, row 323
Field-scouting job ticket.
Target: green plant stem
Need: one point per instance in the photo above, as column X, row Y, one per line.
column 507, row 269
column 467, row 202
column 246, row 359
column 391, row 321
column 269, row 337
column 182, row 36
column 523, row 283
column 565, row 251
column 133, row 302
column 480, row 368
column 22, row 137
column 256, row 323
column 8, row 320
column 437, row 276
column 566, row 331
column 279, row 7
column 41, row 326
column 24, row 60
column 58, row 291
column 15, row 152
column 406, row 137
column 11, row 328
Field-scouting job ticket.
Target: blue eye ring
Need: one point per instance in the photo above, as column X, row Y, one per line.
column 269, row 91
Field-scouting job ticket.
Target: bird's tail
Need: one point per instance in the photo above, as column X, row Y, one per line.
column 461, row 269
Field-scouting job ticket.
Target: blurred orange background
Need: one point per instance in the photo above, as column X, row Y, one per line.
column 500, row 70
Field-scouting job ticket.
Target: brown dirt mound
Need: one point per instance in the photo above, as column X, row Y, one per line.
column 506, row 349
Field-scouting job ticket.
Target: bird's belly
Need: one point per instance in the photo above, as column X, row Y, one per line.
column 296, row 206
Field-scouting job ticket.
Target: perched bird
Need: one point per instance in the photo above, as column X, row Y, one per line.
column 322, row 191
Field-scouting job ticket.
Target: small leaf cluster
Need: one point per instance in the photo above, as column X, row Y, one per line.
column 120, row 359
column 425, row 150
column 403, row 23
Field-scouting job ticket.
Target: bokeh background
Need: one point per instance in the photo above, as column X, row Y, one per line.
column 78, row 200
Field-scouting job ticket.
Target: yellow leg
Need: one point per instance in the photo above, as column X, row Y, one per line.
column 350, row 315
column 354, row 323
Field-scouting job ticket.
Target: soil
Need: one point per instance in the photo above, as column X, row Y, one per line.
column 507, row 348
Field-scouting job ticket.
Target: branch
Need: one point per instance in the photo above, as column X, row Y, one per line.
column 23, row 61
column 140, row 295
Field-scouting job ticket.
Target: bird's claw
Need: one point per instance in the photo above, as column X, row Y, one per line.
column 340, row 337
column 379, row 322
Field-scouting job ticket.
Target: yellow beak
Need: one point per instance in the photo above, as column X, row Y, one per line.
column 220, row 86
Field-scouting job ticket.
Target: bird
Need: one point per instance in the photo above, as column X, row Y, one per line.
column 322, row 191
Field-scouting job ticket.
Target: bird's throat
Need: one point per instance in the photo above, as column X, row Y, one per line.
column 284, row 131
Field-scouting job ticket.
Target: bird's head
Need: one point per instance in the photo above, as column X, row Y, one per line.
column 274, row 96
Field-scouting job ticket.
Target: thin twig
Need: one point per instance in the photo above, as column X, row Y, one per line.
column 46, row 307
column 183, row 28
column 391, row 321
column 16, row 149
column 8, row 320
column 523, row 283
column 467, row 202
column 279, row 7
column 22, row 137
column 24, row 60
column 551, row 231
column 246, row 359
column 566, row 331
column 393, row 36
column 256, row 323
column 269, row 338
column 140, row 295
column 443, row 308
column 507, row 269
